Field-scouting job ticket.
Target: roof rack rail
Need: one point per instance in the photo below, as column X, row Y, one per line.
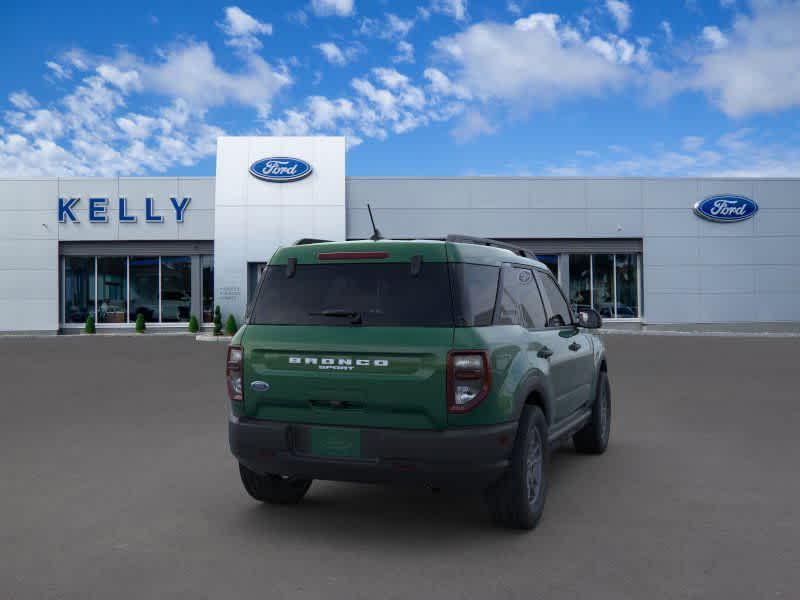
column 304, row 241
column 468, row 239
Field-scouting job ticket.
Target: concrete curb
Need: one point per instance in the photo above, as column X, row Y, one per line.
column 203, row 337
column 81, row 334
column 731, row 334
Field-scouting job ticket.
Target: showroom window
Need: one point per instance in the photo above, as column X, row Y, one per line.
column 176, row 289
column 207, row 271
column 112, row 289
column 117, row 289
column 609, row 283
column 79, row 288
column 144, row 288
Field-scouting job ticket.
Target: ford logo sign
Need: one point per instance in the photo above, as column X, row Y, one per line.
column 726, row 209
column 280, row 169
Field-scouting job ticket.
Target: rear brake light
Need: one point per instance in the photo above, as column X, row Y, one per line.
column 351, row 255
column 233, row 373
column 468, row 379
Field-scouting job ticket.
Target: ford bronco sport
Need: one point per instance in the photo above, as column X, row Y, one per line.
column 443, row 362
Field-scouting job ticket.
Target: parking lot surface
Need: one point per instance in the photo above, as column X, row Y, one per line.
column 116, row 482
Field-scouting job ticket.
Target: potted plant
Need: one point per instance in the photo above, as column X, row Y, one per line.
column 230, row 325
column 89, row 327
column 194, row 327
column 217, row 321
column 140, row 325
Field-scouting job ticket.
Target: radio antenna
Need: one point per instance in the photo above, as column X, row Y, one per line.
column 376, row 235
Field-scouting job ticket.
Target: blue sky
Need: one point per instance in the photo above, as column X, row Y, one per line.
column 437, row 87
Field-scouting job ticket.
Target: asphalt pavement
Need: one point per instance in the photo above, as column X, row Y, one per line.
column 116, row 482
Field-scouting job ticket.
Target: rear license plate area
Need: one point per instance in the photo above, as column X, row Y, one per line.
column 334, row 442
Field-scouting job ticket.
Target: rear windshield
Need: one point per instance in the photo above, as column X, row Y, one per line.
column 366, row 294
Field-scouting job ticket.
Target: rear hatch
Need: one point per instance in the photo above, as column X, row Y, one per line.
column 341, row 337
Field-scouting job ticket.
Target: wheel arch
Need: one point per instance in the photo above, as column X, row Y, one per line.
column 533, row 391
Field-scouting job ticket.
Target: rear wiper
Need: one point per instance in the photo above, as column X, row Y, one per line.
column 354, row 316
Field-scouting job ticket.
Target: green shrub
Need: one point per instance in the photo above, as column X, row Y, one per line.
column 230, row 325
column 89, row 327
column 140, row 325
column 193, row 325
column 217, row 321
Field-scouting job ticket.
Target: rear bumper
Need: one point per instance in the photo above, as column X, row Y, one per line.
column 469, row 456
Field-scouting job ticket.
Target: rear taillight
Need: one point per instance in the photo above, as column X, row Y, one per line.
column 468, row 379
column 233, row 373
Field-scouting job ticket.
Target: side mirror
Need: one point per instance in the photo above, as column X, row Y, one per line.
column 589, row 318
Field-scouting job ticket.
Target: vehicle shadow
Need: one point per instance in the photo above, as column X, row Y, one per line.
column 358, row 514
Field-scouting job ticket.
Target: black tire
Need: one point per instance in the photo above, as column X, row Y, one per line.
column 517, row 500
column 273, row 489
column 593, row 437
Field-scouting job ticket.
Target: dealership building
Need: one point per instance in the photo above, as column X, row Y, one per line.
column 639, row 250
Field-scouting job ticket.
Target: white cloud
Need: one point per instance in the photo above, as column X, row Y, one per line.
column 339, row 8
column 127, row 80
column 91, row 130
column 715, row 37
column 391, row 27
column 666, row 27
column 22, row 100
column 453, row 8
column 472, row 124
column 514, row 8
column 405, row 53
column 191, row 72
column 758, row 70
column 58, row 70
column 621, row 11
column 398, row 27
column 735, row 154
column 536, row 60
column 727, row 3
column 243, row 29
column 336, row 55
column 385, row 101
column 441, row 84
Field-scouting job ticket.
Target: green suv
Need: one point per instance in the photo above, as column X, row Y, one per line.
column 440, row 362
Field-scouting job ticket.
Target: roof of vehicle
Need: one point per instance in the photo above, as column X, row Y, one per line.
column 401, row 251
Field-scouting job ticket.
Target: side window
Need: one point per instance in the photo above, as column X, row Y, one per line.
column 559, row 309
column 520, row 302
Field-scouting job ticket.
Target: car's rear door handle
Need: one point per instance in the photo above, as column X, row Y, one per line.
column 544, row 352
column 574, row 346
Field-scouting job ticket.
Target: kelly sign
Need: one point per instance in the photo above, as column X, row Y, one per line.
column 99, row 208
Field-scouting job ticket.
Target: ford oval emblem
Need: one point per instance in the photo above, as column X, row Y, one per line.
column 726, row 209
column 280, row 169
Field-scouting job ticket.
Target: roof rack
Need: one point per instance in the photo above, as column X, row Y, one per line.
column 468, row 239
column 304, row 241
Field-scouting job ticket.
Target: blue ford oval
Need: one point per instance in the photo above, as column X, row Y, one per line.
column 726, row 208
column 280, row 169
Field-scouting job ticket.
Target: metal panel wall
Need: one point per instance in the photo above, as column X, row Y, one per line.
column 28, row 255
column 694, row 271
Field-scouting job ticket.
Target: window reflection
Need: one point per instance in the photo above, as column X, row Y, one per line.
column 627, row 286
column 78, row 288
column 607, row 282
column 144, row 287
column 603, row 284
column 580, row 290
column 176, row 289
column 112, row 290
column 207, row 266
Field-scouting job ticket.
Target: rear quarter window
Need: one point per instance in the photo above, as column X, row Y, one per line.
column 475, row 289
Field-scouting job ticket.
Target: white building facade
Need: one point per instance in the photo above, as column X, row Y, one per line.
column 169, row 248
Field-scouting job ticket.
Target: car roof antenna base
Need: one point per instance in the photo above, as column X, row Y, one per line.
column 376, row 234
